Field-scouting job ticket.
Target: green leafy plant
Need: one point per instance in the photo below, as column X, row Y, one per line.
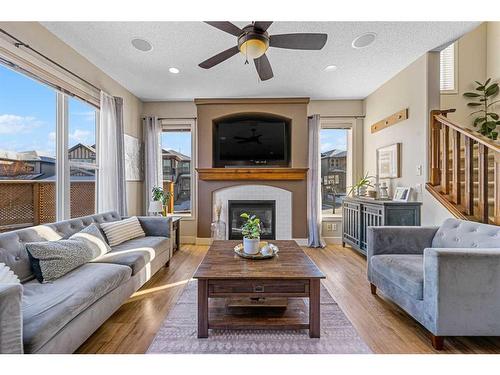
column 159, row 195
column 251, row 228
column 486, row 120
column 364, row 182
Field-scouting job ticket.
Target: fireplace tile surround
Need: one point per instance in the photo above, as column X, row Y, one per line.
column 282, row 198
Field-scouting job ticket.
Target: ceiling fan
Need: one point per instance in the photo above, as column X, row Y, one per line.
column 253, row 42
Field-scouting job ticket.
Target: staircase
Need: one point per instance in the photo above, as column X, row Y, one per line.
column 464, row 170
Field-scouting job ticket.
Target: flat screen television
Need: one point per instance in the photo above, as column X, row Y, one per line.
column 251, row 141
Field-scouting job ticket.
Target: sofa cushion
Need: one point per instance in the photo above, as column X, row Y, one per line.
column 47, row 308
column 123, row 230
column 136, row 253
column 405, row 271
column 53, row 259
column 13, row 252
column 454, row 233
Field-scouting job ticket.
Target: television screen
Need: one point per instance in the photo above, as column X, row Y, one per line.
column 251, row 140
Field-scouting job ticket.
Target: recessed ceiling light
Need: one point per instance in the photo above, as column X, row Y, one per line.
column 331, row 68
column 174, row 70
column 141, row 44
column 364, row 40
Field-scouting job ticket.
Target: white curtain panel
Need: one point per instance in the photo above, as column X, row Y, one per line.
column 153, row 167
column 314, row 184
column 111, row 187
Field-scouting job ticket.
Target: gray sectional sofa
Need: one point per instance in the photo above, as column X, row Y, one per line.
column 447, row 277
column 58, row 317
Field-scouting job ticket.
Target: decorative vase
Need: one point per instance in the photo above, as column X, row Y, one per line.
column 251, row 245
column 362, row 191
column 218, row 230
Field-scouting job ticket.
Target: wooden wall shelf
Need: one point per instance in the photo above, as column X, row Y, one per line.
column 239, row 174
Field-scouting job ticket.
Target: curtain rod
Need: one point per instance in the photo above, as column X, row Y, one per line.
column 19, row 43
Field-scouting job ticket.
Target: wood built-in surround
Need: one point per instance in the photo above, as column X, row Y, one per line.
column 292, row 178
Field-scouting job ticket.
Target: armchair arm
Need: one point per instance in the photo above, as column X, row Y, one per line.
column 156, row 225
column 398, row 240
column 11, row 319
column 462, row 291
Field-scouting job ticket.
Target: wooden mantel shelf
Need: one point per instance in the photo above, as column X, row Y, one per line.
column 228, row 174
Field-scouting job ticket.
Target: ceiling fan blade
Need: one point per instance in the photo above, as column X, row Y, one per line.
column 263, row 67
column 306, row 41
column 220, row 57
column 226, row 26
column 262, row 25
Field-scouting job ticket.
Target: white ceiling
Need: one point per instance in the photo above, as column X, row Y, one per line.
column 296, row 73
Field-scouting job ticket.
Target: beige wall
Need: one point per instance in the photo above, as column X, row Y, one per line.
column 42, row 40
column 335, row 108
column 493, row 55
column 471, row 67
column 416, row 88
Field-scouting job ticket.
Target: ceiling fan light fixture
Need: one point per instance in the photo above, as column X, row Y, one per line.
column 253, row 48
column 364, row 40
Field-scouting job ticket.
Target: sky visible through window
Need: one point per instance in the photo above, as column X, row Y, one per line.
column 28, row 117
column 177, row 141
column 333, row 139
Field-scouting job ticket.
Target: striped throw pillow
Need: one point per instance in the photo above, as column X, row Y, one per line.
column 123, row 230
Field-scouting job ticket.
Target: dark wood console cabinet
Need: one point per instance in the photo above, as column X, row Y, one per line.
column 360, row 213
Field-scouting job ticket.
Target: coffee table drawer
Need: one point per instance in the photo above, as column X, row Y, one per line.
column 258, row 287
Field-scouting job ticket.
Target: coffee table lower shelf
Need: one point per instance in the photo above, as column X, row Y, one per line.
column 214, row 314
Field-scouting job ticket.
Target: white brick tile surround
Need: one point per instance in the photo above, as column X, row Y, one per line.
column 282, row 197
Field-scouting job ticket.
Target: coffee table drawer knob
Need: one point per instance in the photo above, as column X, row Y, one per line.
column 258, row 289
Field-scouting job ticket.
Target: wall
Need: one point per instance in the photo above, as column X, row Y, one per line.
column 42, row 40
column 471, row 67
column 417, row 88
column 493, row 55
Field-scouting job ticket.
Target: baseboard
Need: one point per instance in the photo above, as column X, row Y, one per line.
column 333, row 240
column 301, row 241
column 188, row 240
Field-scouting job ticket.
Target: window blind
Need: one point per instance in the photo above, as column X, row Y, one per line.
column 447, row 69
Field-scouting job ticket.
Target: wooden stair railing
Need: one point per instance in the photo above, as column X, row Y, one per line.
column 464, row 170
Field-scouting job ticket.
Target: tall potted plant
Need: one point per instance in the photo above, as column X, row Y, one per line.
column 486, row 119
column 159, row 195
column 251, row 233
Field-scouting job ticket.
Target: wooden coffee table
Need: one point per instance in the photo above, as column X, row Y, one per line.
column 224, row 274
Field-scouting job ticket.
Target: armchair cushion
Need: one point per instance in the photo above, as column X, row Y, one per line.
column 404, row 271
column 398, row 240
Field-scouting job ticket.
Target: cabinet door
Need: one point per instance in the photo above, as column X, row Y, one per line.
column 351, row 223
column 371, row 216
column 402, row 216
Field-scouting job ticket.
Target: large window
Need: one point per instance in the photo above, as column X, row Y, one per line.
column 448, row 69
column 35, row 122
column 177, row 161
column 334, row 169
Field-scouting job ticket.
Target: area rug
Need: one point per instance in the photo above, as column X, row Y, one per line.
column 178, row 333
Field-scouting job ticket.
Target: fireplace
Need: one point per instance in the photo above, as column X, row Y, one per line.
column 265, row 210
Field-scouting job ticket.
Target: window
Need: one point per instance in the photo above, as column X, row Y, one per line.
column 448, row 69
column 82, row 157
column 43, row 135
column 334, row 168
column 27, row 151
column 177, row 143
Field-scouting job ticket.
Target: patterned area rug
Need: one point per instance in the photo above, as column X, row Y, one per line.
column 178, row 333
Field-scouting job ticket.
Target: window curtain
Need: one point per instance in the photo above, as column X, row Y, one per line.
column 111, row 187
column 314, row 184
column 153, row 167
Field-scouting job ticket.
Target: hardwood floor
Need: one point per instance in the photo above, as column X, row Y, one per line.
column 382, row 325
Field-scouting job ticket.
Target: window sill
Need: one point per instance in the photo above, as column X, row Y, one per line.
column 186, row 217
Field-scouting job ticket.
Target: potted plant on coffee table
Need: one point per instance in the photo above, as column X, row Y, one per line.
column 251, row 233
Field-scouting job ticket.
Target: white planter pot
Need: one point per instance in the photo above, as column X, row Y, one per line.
column 251, row 246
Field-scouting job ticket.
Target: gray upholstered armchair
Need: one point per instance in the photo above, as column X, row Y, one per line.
column 447, row 277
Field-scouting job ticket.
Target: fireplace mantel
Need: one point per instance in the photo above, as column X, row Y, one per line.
column 252, row 174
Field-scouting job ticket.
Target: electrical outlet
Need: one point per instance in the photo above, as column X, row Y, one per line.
column 329, row 227
column 334, row 227
column 419, row 170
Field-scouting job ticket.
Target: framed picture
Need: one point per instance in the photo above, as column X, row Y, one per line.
column 134, row 159
column 388, row 161
column 402, row 194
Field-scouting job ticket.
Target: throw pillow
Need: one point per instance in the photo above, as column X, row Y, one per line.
column 53, row 259
column 118, row 232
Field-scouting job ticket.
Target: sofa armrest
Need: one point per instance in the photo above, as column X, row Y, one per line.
column 398, row 240
column 159, row 226
column 462, row 291
column 11, row 319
